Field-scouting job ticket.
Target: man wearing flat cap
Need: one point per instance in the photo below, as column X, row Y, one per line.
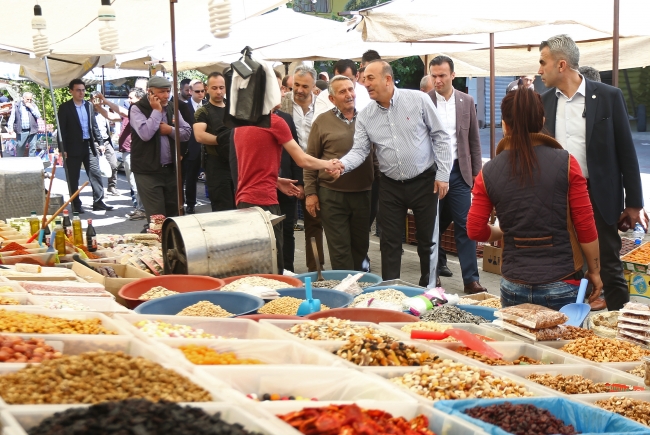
column 153, row 148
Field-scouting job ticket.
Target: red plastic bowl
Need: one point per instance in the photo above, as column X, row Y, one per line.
column 374, row 315
column 292, row 282
column 178, row 283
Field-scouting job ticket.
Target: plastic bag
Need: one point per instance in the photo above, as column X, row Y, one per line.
column 584, row 418
column 544, row 334
column 350, row 285
column 532, row 316
column 104, row 166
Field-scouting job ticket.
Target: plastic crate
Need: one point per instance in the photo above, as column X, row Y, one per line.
column 107, row 322
column 107, row 306
column 593, row 373
column 439, row 422
column 491, row 333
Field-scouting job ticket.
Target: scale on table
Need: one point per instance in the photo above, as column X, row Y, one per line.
column 221, row 244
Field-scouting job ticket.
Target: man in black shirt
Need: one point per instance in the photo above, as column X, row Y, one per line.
column 210, row 131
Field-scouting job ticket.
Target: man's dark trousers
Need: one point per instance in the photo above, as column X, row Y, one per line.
column 395, row 198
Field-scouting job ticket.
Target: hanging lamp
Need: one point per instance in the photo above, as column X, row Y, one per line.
column 108, row 38
column 220, row 18
column 41, row 45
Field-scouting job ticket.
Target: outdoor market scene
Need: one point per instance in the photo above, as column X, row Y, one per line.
column 324, row 217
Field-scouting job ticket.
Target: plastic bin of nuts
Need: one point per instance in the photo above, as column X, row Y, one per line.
column 318, row 384
column 596, row 350
column 113, row 375
column 439, row 423
column 403, row 328
column 37, row 322
column 514, row 353
column 634, row 405
column 150, row 327
column 563, row 379
column 21, row 420
column 451, row 380
column 269, row 352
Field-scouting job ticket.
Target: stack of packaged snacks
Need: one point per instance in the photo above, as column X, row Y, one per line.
column 531, row 321
column 634, row 323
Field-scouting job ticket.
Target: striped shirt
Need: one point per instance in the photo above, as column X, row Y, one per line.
column 409, row 137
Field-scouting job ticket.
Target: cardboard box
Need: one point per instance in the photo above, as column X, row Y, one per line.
column 126, row 273
column 639, row 285
column 492, row 259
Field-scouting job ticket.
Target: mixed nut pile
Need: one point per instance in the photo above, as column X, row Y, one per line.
column 637, row 410
column 569, row 384
column 601, row 349
column 522, row 360
column 380, row 350
column 330, row 328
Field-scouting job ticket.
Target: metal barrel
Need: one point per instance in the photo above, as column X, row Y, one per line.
column 220, row 244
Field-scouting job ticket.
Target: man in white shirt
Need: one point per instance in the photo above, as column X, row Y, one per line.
column 456, row 110
column 347, row 68
column 300, row 103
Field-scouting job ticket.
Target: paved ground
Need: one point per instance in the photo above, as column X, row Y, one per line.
column 115, row 221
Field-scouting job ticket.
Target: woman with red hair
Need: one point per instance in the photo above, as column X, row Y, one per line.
column 545, row 217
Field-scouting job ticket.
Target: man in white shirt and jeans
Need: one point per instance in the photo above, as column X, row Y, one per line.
column 300, row 103
column 347, row 68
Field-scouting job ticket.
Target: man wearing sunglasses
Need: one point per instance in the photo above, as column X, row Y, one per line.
column 192, row 158
column 23, row 121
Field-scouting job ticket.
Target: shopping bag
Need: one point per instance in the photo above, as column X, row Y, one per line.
column 104, row 166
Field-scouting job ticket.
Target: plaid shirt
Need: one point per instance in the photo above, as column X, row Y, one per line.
column 342, row 117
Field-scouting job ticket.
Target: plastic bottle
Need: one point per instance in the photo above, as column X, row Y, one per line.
column 34, row 224
column 77, row 233
column 639, row 233
column 59, row 241
column 91, row 237
column 67, row 225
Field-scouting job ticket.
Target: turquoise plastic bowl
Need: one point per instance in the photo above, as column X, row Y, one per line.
column 329, row 297
column 234, row 302
column 340, row 275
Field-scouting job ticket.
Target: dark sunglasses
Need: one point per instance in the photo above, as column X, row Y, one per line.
column 199, row 92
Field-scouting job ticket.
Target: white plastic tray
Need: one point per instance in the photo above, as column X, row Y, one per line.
column 622, row 367
column 470, row 327
column 512, row 350
column 271, row 352
column 439, row 422
column 322, row 383
column 590, row 399
column 394, row 372
column 107, row 323
column 283, row 326
column 107, row 306
column 8, row 283
column 557, row 345
column 590, row 372
column 22, row 418
column 21, row 298
column 137, row 348
column 225, row 328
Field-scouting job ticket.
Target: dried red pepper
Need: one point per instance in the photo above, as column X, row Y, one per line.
column 352, row 420
column 12, row 246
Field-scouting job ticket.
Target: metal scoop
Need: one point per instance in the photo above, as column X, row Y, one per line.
column 577, row 312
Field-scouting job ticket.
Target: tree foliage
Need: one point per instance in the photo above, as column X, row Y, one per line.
column 42, row 96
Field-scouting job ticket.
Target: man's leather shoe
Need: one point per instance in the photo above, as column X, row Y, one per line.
column 598, row 304
column 474, row 287
column 189, row 209
column 444, row 271
column 101, row 206
column 438, row 282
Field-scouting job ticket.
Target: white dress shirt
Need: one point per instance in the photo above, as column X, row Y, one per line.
column 447, row 113
column 195, row 104
column 571, row 125
column 303, row 121
column 408, row 135
column 323, row 103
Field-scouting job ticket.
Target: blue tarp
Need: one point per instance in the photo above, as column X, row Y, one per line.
column 585, row 419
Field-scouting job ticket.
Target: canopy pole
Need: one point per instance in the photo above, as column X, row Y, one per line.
column 426, row 64
column 492, row 98
column 47, row 142
column 103, row 82
column 56, row 118
column 177, row 132
column 615, row 40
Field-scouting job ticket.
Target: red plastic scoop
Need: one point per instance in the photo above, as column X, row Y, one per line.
column 465, row 337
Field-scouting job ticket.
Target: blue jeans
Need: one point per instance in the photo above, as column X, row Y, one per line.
column 26, row 141
column 554, row 295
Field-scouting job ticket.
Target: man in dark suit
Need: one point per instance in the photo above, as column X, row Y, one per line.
column 192, row 157
column 457, row 110
column 80, row 136
column 590, row 120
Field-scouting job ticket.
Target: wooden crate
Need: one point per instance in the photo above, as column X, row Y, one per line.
column 447, row 240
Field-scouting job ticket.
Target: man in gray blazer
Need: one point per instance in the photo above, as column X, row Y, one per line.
column 457, row 110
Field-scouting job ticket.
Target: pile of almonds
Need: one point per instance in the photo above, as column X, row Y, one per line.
column 570, row 384
column 601, row 349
